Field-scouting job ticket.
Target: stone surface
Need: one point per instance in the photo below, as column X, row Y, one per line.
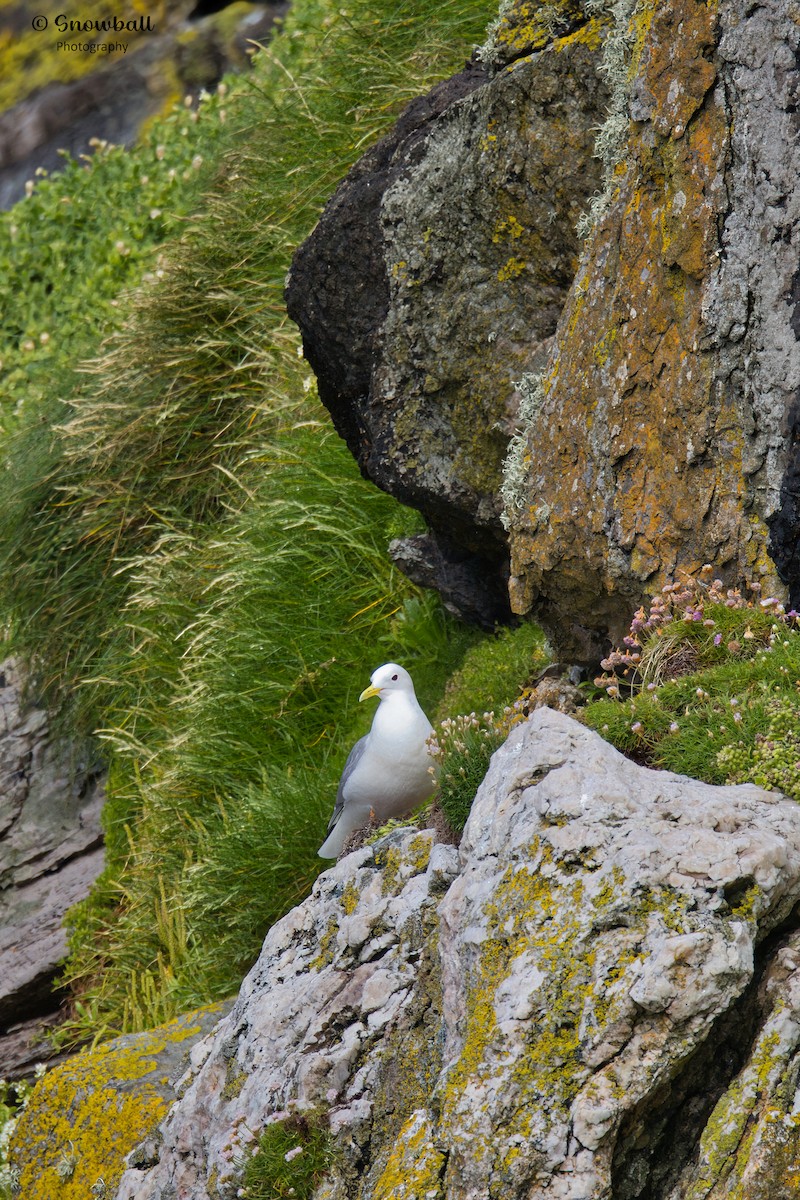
column 86, row 1115
column 437, row 271
column 663, row 432
column 592, row 999
column 51, row 850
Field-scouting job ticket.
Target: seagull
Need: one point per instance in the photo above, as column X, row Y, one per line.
column 387, row 771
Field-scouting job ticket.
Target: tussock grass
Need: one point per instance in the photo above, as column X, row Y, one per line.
column 191, row 565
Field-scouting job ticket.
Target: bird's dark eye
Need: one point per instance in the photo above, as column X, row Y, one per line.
column 394, row 679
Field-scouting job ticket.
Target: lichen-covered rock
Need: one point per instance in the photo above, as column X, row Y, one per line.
column 575, row 1005
column 51, row 851
column 86, row 1115
column 314, row 1020
column 439, row 270
column 662, row 433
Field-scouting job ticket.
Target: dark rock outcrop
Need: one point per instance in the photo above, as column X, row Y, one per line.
column 658, row 437
column 51, row 851
column 437, row 270
column 657, row 429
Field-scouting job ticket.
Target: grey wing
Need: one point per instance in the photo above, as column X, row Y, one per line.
column 353, row 759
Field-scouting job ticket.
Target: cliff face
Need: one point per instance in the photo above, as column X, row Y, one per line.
column 51, row 851
column 661, row 434
column 596, row 996
column 657, row 429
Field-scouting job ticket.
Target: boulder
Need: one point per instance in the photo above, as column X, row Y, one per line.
column 438, row 272
column 662, row 433
column 596, row 997
column 86, row 1115
column 51, row 851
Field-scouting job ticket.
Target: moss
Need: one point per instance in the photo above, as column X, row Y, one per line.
column 87, row 1114
column 292, row 1158
column 495, row 671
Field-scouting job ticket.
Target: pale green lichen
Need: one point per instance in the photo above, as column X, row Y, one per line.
column 514, row 490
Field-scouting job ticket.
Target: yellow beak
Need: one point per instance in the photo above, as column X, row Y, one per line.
column 367, row 692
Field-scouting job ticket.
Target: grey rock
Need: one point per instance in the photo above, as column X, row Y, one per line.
column 50, row 853
column 591, row 982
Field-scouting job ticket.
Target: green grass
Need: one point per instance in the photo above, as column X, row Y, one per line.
column 708, row 687
column 190, row 563
column 290, row 1158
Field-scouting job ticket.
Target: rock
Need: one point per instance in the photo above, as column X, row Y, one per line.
column 337, row 980
column 86, row 1115
column 50, row 853
column 663, row 432
column 437, row 270
column 594, row 997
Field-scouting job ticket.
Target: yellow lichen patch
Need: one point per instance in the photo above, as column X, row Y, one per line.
column 350, row 897
column 326, row 946
column 511, row 269
column 591, row 34
column 414, row 1168
column 507, row 227
column 531, row 24
column 400, row 863
column 87, row 1114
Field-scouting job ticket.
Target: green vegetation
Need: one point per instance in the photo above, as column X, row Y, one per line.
column 493, row 676
column 462, row 748
column 14, row 1097
column 707, row 685
column 290, row 1159
column 495, row 671
column 190, row 564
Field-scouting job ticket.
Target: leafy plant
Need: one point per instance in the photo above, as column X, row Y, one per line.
column 190, row 563
column 712, row 681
